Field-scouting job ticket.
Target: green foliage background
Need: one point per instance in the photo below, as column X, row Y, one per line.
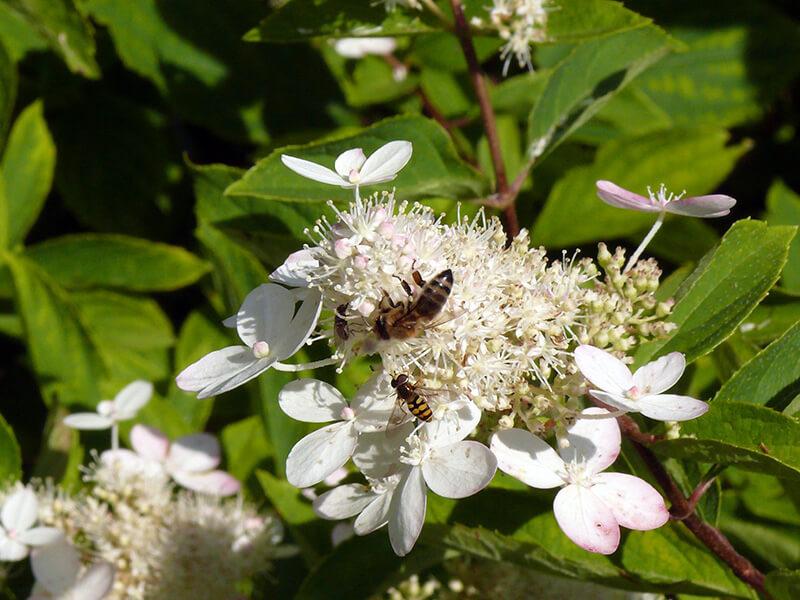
column 141, row 198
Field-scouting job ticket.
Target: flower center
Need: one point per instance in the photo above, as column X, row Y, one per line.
column 105, row 408
column 347, row 414
column 663, row 196
column 415, row 453
column 633, row 393
column 261, row 349
column 576, row 474
column 354, row 176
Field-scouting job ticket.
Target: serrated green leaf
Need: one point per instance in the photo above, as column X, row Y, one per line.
column 10, row 457
column 752, row 437
column 66, row 361
column 691, row 159
column 434, row 170
column 588, row 78
column 729, row 282
column 28, row 165
column 783, row 584
column 772, row 378
column 66, row 31
column 117, row 261
column 8, row 91
column 783, row 208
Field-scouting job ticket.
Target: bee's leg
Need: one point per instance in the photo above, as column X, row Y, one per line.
column 406, row 287
column 387, row 300
column 418, row 278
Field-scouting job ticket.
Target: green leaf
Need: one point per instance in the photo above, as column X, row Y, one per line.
column 68, row 33
column 588, row 78
column 729, row 282
column 737, row 63
column 17, row 34
column 117, row 261
column 245, row 446
column 576, row 21
column 783, row 584
column 692, row 159
column 783, row 208
column 778, row 546
column 434, row 170
column 367, row 81
column 28, row 165
column 64, row 358
column 770, row 319
column 772, row 378
column 769, row 498
column 303, row 19
column 10, row 456
column 8, row 91
column 752, row 437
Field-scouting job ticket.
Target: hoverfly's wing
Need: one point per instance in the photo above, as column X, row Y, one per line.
column 398, row 417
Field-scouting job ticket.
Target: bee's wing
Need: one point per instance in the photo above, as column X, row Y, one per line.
column 397, row 418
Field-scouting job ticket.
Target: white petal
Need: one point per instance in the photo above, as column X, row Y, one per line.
column 374, row 516
column 670, row 407
column 312, row 401
column 596, row 443
column 527, row 458
column 459, row 470
column 603, row 369
column 374, row 403
column 635, row 503
column 320, row 453
column 343, row 502
column 214, row 483
column 39, row 536
column 349, row 160
column 11, row 550
column 452, row 423
column 706, row 207
column 407, row 511
column 149, row 443
column 586, row 520
column 312, row 170
column 96, row 583
column 612, row 194
column 193, row 454
column 56, row 567
column 341, row 532
column 386, row 162
column 302, row 324
column 20, row 510
column 295, row 269
column 221, row 371
column 88, row 421
column 230, row 322
column 660, row 375
column 617, row 401
column 376, row 454
column 132, row 398
column 130, row 462
column 265, row 315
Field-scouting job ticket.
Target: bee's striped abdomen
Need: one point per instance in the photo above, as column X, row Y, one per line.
column 434, row 295
column 419, row 408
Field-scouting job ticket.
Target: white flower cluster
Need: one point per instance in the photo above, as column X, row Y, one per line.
column 520, row 23
column 467, row 329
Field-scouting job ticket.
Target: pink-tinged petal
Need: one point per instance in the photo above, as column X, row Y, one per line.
column 11, row 550
column 660, row 375
column 384, row 164
column 312, row 401
column 312, row 170
column 39, row 536
column 407, row 511
column 132, row 398
column 349, row 160
column 594, row 442
column 452, row 423
column 193, row 454
column 88, row 421
column 670, row 407
column 20, row 510
column 96, row 583
column 375, row 515
column 343, row 502
column 149, row 443
column 603, row 369
column 459, row 470
column 295, row 269
column 617, row 196
column 527, row 458
column 265, row 315
column 617, row 401
column 302, row 324
column 705, row 207
column 56, row 567
column 320, row 453
column 221, row 371
column 214, row 483
column 635, row 503
column 586, row 520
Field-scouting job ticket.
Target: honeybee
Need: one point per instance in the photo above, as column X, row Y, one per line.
column 340, row 327
column 408, row 319
column 413, row 397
